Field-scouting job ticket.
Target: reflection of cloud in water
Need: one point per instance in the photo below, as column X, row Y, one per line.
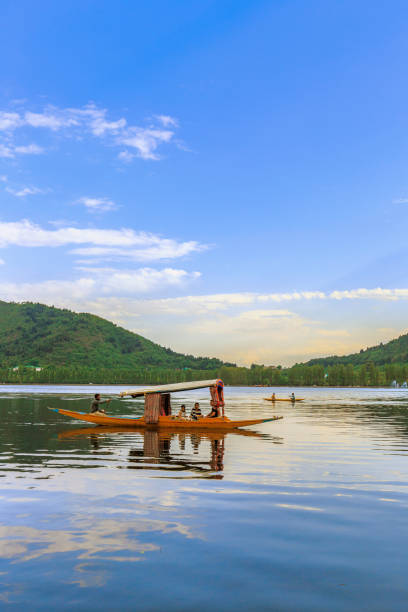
column 91, row 538
column 299, row 507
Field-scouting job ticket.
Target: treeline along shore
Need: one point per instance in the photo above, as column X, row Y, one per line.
column 366, row 375
column 41, row 344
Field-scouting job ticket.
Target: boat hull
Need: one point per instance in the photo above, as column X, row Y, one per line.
column 164, row 421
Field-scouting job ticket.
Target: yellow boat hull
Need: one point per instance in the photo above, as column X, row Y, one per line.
column 164, row 421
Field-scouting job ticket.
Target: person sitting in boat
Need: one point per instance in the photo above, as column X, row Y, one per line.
column 182, row 412
column 95, row 409
column 292, row 397
column 273, row 397
column 215, row 413
column 196, row 412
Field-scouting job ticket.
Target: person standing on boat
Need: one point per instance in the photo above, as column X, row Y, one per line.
column 97, row 402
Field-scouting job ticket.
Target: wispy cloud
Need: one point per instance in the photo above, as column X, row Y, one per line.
column 96, row 282
column 126, row 156
column 123, row 243
column 141, row 141
column 204, row 305
column 6, row 151
column 158, row 249
column 167, row 121
column 9, row 121
column 97, row 204
column 400, row 201
column 30, row 149
column 10, row 151
column 24, row 191
column 144, row 141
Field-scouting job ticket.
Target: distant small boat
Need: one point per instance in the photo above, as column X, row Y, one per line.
column 286, row 399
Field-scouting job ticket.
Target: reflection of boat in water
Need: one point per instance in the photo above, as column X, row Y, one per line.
column 157, row 410
column 163, row 434
column 156, row 449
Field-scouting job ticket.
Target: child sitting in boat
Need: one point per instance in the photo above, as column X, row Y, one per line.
column 196, row 412
column 95, row 409
column 182, row 413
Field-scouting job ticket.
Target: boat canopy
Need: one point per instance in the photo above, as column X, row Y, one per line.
column 172, row 388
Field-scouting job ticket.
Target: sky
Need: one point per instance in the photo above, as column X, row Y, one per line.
column 226, row 178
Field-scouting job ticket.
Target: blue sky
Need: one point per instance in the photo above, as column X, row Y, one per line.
column 227, row 178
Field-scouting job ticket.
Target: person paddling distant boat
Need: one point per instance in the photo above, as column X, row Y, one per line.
column 273, row 397
column 292, row 397
column 97, row 402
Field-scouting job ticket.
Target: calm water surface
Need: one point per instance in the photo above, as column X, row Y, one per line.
column 307, row 513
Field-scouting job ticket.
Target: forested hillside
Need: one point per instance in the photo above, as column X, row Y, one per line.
column 38, row 335
column 80, row 348
column 393, row 352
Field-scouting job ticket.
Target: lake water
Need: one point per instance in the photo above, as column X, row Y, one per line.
column 307, row 513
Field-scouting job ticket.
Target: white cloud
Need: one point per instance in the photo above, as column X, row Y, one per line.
column 167, row 121
column 97, row 282
column 126, row 156
column 9, row 121
column 5, row 151
column 110, row 242
column 89, row 119
column 2, row 262
column 97, row 204
column 113, row 281
column 51, row 118
column 369, row 294
column 31, row 149
column 3, row 178
column 161, row 249
column 8, row 150
column 96, row 121
column 145, row 141
column 25, row 191
column 400, row 201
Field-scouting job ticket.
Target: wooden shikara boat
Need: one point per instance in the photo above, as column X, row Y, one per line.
column 219, row 423
column 157, row 411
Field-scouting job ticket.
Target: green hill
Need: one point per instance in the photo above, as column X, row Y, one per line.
column 395, row 351
column 34, row 334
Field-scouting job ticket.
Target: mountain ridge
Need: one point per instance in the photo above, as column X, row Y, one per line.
column 35, row 334
column 395, row 351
